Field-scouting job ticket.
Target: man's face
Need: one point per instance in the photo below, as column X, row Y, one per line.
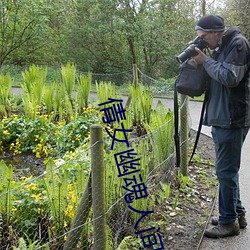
column 211, row 38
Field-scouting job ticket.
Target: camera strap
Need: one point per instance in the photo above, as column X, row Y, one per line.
column 176, row 126
column 199, row 127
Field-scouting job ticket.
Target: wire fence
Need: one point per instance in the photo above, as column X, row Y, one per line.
column 158, row 87
column 55, row 210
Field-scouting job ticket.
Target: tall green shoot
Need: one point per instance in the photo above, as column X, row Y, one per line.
column 68, row 74
column 6, row 184
column 161, row 126
column 33, row 86
column 83, row 91
column 141, row 103
column 56, row 184
column 5, row 90
column 105, row 90
column 62, row 106
column 48, row 98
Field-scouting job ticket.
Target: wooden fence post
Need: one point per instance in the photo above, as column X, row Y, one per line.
column 98, row 188
column 135, row 82
column 135, row 74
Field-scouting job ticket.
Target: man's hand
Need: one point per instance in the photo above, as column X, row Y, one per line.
column 200, row 58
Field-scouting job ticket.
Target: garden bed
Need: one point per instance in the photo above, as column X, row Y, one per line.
column 25, row 164
column 183, row 215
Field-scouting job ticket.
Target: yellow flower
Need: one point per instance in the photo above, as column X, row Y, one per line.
column 6, row 132
column 73, row 199
column 37, row 196
column 17, row 152
column 38, row 155
column 31, row 187
column 45, row 151
column 69, row 211
column 14, row 209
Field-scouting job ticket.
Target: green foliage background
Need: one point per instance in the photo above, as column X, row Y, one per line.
column 106, row 36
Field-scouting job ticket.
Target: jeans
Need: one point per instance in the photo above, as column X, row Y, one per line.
column 228, row 145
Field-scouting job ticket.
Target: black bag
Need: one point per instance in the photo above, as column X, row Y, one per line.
column 192, row 80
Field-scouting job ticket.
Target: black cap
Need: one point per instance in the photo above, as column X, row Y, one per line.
column 210, row 23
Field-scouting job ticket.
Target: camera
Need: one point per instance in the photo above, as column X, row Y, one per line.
column 190, row 51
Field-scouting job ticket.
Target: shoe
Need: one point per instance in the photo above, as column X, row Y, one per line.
column 221, row 231
column 241, row 219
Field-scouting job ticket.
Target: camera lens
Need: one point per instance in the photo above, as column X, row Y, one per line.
column 190, row 51
column 187, row 53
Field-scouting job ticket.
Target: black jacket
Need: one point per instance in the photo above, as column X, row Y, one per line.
column 229, row 90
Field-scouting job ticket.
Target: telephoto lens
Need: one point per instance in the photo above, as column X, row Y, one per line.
column 190, row 50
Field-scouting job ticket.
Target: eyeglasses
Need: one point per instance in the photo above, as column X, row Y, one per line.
column 203, row 36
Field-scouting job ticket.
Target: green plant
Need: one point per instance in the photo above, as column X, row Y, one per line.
column 34, row 81
column 48, row 98
column 141, row 103
column 56, row 184
column 23, row 134
column 30, row 207
column 165, row 190
column 6, row 196
column 65, row 181
column 63, row 184
column 113, row 185
column 135, row 92
column 146, row 101
column 62, row 104
column 161, row 126
column 58, row 102
column 42, row 136
column 130, row 243
column 106, row 90
column 184, row 181
column 28, row 244
column 141, row 107
column 83, row 91
column 176, row 199
column 6, row 204
column 68, row 74
column 5, row 90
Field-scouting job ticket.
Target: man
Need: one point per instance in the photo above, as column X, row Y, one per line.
column 228, row 112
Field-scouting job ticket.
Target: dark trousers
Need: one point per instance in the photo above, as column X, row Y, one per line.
column 228, row 145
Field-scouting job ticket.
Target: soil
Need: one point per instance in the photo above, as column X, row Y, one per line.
column 186, row 222
column 25, row 164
